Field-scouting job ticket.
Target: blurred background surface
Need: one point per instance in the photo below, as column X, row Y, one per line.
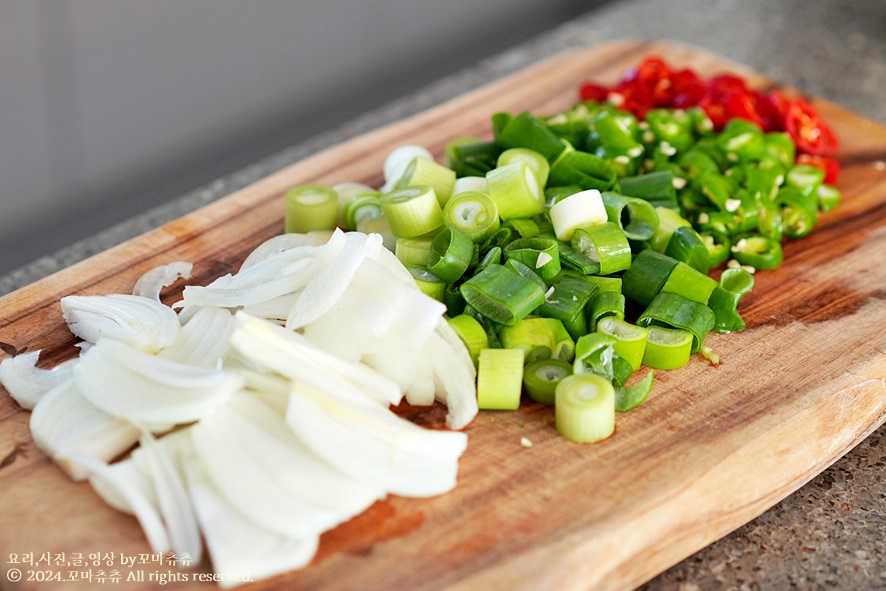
column 111, row 107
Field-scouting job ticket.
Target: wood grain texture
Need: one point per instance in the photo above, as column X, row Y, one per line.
column 712, row 448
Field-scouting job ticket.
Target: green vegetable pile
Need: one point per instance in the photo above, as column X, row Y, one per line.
column 572, row 249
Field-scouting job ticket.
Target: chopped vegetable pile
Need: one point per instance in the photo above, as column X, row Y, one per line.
column 582, row 242
column 554, row 261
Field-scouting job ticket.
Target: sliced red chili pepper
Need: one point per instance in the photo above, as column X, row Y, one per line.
column 593, row 92
column 714, row 110
column 725, row 84
column 809, row 132
column 771, row 109
column 779, row 103
column 739, row 103
column 631, row 97
column 687, row 88
column 830, row 166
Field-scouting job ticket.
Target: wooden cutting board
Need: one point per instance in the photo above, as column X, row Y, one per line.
column 712, row 448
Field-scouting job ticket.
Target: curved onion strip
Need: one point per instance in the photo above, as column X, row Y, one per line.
column 27, row 383
column 287, row 272
column 151, row 283
column 422, row 390
column 327, row 286
column 365, row 312
column 398, row 353
column 172, row 498
column 254, row 549
column 276, row 245
column 203, row 341
column 244, row 443
column 127, row 383
column 293, row 356
column 65, row 422
column 128, row 492
column 454, row 375
column 373, row 444
column 141, row 322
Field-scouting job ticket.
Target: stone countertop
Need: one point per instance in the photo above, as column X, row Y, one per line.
column 831, row 533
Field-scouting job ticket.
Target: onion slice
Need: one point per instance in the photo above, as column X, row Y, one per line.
column 244, row 443
column 373, row 444
column 65, row 422
column 27, row 383
column 141, row 322
column 254, row 549
column 148, row 390
column 151, row 283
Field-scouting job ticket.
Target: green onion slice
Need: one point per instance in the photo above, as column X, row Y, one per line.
column 472, row 334
column 412, row 212
column 421, row 172
column 687, row 245
column 473, row 214
column 605, row 244
column 538, row 163
column 689, row 283
column 499, row 379
column 734, row 283
column 604, row 305
column 667, row 348
column 579, row 210
column 429, row 283
column 535, row 336
column 539, row 253
column 515, row 190
column 648, row 273
column 636, row 218
column 655, row 187
column 668, row 222
column 450, row 254
column 630, row 397
column 630, row 340
column 310, row 208
column 502, row 295
column 413, row 252
column 541, row 377
column 584, row 408
column 675, row 311
column 363, row 206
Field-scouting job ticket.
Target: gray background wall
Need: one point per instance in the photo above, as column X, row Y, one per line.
column 111, row 107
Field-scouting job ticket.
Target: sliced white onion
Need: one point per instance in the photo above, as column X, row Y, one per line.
column 147, row 390
column 203, row 341
column 293, row 356
column 152, row 283
column 141, row 322
column 454, row 375
column 364, row 313
column 373, row 444
column 399, row 352
column 284, row 273
column 26, row 382
column 65, row 422
column 126, row 488
column 422, row 390
column 276, row 245
column 321, row 294
column 235, row 543
column 244, row 443
column 172, row 498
